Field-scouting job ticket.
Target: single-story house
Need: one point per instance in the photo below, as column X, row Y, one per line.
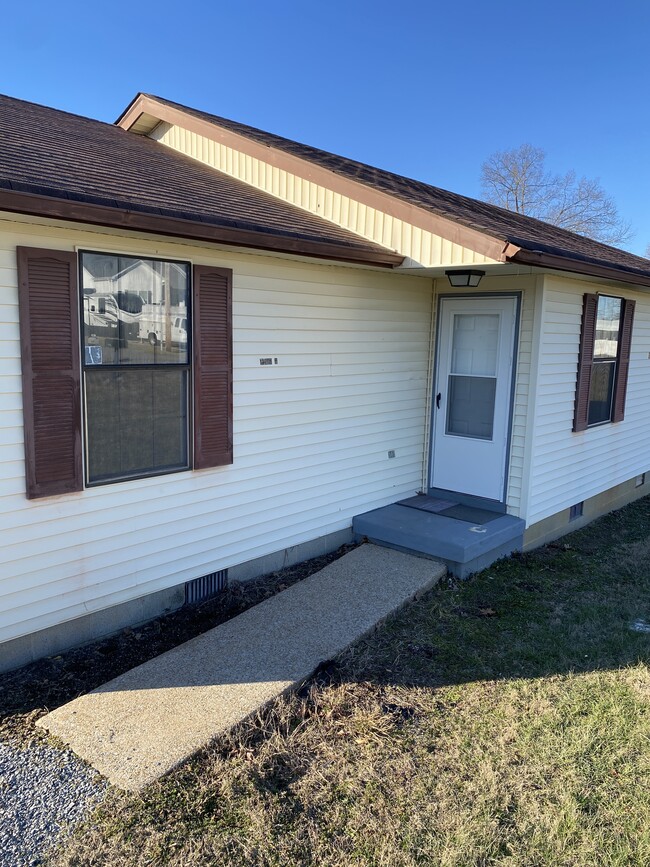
column 222, row 352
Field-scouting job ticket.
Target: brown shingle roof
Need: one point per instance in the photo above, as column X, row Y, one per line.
column 50, row 153
column 530, row 234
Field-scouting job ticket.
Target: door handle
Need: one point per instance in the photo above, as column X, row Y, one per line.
column 438, row 396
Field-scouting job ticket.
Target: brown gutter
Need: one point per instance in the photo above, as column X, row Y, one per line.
column 480, row 242
column 578, row 266
column 119, row 218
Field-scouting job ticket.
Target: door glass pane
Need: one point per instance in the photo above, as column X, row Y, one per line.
column 475, row 343
column 470, row 406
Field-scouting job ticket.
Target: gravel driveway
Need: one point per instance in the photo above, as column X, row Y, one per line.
column 44, row 792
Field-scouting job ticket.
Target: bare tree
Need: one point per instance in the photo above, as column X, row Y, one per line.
column 518, row 180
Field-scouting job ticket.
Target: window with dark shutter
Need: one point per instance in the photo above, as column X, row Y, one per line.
column 134, row 352
column 603, row 360
column 49, row 327
column 212, row 367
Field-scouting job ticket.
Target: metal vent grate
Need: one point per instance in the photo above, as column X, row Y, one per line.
column 205, row 587
column 576, row 511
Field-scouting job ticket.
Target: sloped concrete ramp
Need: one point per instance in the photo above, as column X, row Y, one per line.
column 144, row 723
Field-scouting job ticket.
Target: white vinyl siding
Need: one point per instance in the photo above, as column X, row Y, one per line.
column 422, row 247
column 569, row 467
column 311, row 435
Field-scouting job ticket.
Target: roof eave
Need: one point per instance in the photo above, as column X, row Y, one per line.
column 133, row 112
column 543, row 259
column 33, row 204
column 145, row 111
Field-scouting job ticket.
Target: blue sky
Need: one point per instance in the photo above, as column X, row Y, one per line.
column 427, row 90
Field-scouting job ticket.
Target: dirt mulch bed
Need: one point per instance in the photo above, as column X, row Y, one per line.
column 32, row 691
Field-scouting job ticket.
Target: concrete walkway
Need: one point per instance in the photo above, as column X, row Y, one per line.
column 139, row 726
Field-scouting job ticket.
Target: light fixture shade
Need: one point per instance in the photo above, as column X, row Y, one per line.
column 468, row 277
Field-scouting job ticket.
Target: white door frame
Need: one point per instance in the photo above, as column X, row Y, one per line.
column 500, row 504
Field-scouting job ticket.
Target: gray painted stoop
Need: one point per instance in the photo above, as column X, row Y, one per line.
column 463, row 538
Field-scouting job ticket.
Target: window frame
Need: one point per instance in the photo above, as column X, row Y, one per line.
column 48, row 294
column 586, row 361
column 186, row 366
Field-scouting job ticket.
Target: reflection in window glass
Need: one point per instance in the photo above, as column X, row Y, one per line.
column 134, row 310
column 608, row 320
column 603, row 371
column 135, row 327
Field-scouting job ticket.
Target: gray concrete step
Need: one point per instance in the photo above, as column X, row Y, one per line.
column 139, row 726
column 463, row 545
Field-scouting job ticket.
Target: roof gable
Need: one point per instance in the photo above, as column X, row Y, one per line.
column 147, row 114
column 492, row 231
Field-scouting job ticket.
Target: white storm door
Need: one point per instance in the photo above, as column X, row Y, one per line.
column 472, row 395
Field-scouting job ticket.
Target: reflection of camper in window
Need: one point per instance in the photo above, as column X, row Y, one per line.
column 113, row 315
column 101, row 316
column 148, row 296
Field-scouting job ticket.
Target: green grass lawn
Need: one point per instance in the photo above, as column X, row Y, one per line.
column 502, row 720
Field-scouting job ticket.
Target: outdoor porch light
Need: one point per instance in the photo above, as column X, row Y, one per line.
column 465, row 278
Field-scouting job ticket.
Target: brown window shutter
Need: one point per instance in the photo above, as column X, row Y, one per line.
column 624, row 345
column 212, row 367
column 585, row 361
column 49, row 332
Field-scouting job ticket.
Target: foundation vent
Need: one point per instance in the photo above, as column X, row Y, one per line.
column 576, row 511
column 205, row 587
